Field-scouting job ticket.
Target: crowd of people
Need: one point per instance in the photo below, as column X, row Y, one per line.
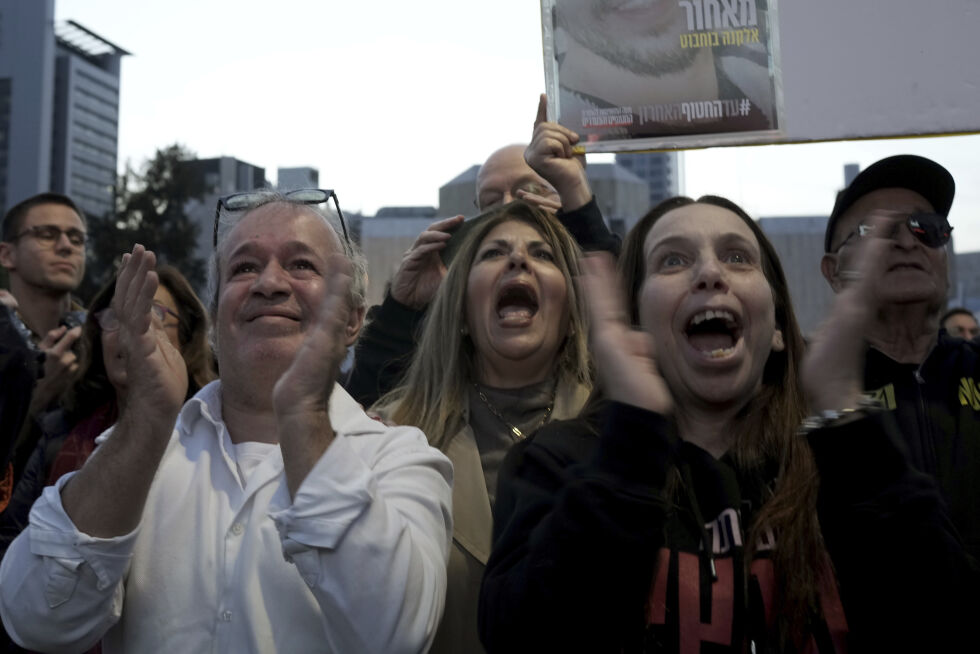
column 551, row 439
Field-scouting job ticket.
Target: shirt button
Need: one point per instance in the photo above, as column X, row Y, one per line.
column 237, row 529
column 226, row 616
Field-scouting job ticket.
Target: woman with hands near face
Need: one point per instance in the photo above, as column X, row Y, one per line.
column 685, row 511
column 546, row 174
column 502, row 352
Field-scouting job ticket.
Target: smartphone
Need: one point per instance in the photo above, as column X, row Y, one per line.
column 73, row 319
column 459, row 234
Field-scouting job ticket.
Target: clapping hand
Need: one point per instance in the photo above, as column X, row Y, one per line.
column 156, row 375
column 832, row 372
column 625, row 358
column 304, row 388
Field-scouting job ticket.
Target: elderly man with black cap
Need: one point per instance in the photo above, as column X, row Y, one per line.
column 925, row 377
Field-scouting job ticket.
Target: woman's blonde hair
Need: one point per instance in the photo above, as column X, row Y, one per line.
column 433, row 393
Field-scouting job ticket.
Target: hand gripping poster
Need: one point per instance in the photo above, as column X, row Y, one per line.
column 663, row 74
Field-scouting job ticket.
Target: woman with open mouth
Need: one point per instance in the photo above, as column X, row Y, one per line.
column 503, row 351
column 689, row 511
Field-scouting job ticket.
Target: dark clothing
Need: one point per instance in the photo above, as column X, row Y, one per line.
column 21, row 365
column 592, row 555
column 526, row 408
column 18, row 370
column 385, row 347
column 18, row 438
column 63, row 447
column 589, row 230
column 937, row 408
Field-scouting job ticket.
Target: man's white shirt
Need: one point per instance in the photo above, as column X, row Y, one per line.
column 355, row 563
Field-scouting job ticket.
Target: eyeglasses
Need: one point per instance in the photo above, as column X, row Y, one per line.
column 162, row 312
column 932, row 229
column 493, row 198
column 49, row 235
column 109, row 321
column 252, row 199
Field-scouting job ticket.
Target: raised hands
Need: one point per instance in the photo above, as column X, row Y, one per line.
column 60, row 366
column 156, row 375
column 308, row 381
column 625, row 358
column 421, row 271
column 551, row 155
column 832, row 373
column 106, row 498
column 301, row 397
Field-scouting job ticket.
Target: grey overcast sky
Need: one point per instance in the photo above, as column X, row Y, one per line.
column 391, row 99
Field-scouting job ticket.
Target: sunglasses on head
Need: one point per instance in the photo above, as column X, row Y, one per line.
column 251, row 199
column 932, row 229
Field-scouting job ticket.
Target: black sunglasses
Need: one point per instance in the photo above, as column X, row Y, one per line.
column 932, row 229
column 252, row 199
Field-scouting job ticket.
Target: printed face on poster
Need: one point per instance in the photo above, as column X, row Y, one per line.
column 649, row 74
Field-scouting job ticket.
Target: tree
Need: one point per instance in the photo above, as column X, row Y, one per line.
column 149, row 209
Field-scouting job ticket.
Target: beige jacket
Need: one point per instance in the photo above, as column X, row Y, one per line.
column 473, row 531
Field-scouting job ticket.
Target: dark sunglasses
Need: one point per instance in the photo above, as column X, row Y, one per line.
column 932, row 229
column 252, row 199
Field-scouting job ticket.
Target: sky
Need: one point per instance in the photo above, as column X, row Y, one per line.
column 389, row 100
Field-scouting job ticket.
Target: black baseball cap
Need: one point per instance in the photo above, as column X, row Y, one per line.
column 924, row 176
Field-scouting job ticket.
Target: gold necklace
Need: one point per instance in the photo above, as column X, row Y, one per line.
column 518, row 434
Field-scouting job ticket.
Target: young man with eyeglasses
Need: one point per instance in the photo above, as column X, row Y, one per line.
column 43, row 250
column 928, row 380
column 269, row 513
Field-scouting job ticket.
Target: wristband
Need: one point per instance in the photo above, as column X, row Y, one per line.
column 833, row 417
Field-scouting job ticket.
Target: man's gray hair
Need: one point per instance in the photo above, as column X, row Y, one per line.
column 228, row 219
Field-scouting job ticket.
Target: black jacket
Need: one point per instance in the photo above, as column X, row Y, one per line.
column 937, row 408
column 582, row 527
column 385, row 347
column 18, row 370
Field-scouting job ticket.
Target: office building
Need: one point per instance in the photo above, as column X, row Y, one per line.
column 622, row 196
column 59, row 108
column 660, row 171
column 385, row 238
column 458, row 195
column 964, row 286
column 799, row 243
column 300, row 177
column 220, row 176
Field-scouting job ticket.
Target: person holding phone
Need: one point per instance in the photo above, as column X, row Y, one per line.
column 42, row 248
